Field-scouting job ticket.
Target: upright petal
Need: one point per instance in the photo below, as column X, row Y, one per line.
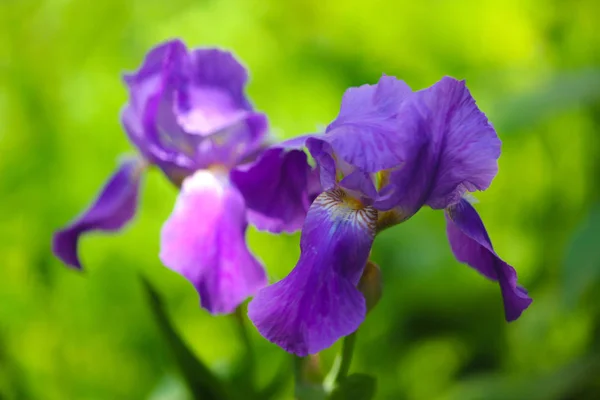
column 147, row 79
column 468, row 145
column 148, row 118
column 220, row 69
column 374, row 130
column 322, row 152
column 278, row 189
column 471, row 244
column 204, row 240
column 114, row 207
column 318, row 302
column 459, row 153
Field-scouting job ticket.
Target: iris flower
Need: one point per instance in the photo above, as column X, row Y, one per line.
column 188, row 115
column 389, row 152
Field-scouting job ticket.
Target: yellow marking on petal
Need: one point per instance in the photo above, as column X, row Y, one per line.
column 383, row 178
column 353, row 203
column 389, row 218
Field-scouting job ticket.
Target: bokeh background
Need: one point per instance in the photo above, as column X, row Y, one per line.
column 439, row 331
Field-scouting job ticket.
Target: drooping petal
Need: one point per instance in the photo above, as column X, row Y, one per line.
column 204, row 240
column 468, row 147
column 114, row 207
column 374, row 130
column 318, row 302
column 278, row 189
column 471, row 244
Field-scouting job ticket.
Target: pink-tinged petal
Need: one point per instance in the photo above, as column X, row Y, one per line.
column 318, row 302
column 374, row 130
column 465, row 142
column 278, row 189
column 114, row 207
column 471, row 245
column 204, row 240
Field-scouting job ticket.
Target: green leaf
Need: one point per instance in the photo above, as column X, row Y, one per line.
column 582, row 263
column 355, row 387
column 203, row 384
column 562, row 92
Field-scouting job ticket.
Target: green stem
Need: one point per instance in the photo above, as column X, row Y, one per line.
column 346, row 360
column 244, row 335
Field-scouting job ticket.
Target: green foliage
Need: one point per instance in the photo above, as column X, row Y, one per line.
column 355, row 387
column 582, row 264
column 203, row 384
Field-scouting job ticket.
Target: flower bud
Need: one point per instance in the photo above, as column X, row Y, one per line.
column 370, row 284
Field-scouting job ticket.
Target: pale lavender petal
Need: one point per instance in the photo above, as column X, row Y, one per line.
column 204, row 240
column 471, row 244
column 278, row 189
column 318, row 302
column 374, row 130
column 112, row 210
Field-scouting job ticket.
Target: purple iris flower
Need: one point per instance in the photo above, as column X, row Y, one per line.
column 389, row 152
column 188, row 115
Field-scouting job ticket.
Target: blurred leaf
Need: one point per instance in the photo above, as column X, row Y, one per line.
column 556, row 385
column 582, row 263
column 355, row 387
column 201, row 381
column 170, row 388
column 277, row 384
column 563, row 91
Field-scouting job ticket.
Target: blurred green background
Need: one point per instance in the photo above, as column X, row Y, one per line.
column 439, row 331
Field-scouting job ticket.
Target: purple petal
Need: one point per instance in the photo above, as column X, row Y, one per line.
column 471, row 244
column 361, row 184
column 146, row 81
column 234, row 143
column 204, row 240
column 188, row 110
column 278, row 189
column 466, row 143
column 374, row 131
column 322, row 152
column 220, row 69
column 148, row 118
column 318, row 302
column 459, row 152
column 114, row 207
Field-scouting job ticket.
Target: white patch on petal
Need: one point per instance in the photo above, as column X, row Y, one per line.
column 202, row 180
column 468, row 196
